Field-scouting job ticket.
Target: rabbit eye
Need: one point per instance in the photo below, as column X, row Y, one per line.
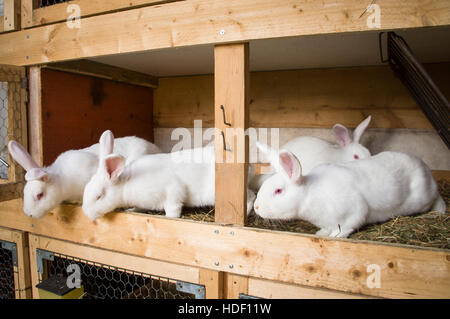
column 355, row 156
column 39, row 196
column 278, row 191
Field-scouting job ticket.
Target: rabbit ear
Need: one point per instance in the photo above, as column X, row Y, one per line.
column 106, row 144
column 21, row 156
column 342, row 135
column 361, row 128
column 291, row 166
column 37, row 174
column 114, row 165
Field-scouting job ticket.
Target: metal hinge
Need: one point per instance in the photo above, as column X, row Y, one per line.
column 40, row 256
column 197, row 290
column 244, row 296
column 13, row 248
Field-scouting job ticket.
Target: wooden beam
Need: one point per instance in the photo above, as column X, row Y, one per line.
column 58, row 12
column 337, row 264
column 231, row 81
column 105, row 71
column 198, row 22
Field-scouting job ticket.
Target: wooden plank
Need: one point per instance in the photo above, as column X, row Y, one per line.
column 235, row 285
column 115, row 259
column 276, row 290
column 440, row 174
column 337, row 264
column 78, row 116
column 35, row 276
column 35, row 115
column 105, row 71
column 213, row 282
column 58, row 12
column 303, row 98
column 23, row 264
column 198, row 22
column 232, row 83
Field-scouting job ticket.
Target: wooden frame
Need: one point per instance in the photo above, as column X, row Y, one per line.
column 17, row 127
column 190, row 23
column 315, row 262
column 124, row 261
column 22, row 270
column 10, row 21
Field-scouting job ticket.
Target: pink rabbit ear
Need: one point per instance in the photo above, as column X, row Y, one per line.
column 21, row 156
column 342, row 135
column 361, row 128
column 291, row 166
column 106, row 144
column 114, row 165
column 36, row 174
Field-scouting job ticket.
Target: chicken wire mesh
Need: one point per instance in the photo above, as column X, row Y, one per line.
column 7, row 285
column 3, row 129
column 46, row 3
column 102, row 281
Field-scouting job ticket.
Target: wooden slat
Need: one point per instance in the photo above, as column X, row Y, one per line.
column 197, row 22
column 405, row 271
column 276, row 290
column 58, row 12
column 213, row 282
column 27, row 7
column 232, row 77
column 303, row 98
column 105, row 71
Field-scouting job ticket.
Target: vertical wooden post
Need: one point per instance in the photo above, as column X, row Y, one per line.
column 34, row 115
column 11, row 15
column 234, row 285
column 213, row 282
column 27, row 7
column 231, row 82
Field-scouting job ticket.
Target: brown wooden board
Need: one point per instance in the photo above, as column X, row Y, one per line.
column 76, row 109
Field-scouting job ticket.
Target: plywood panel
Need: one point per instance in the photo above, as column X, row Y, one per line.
column 303, row 98
column 76, row 109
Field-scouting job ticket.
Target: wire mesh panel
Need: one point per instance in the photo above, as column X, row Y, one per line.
column 7, row 286
column 3, row 129
column 102, row 281
column 46, row 3
column 1, row 8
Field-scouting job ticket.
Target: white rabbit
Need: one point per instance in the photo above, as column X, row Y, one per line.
column 154, row 182
column 65, row 178
column 340, row 198
column 313, row 151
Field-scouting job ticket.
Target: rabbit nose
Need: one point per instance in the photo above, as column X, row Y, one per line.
column 256, row 207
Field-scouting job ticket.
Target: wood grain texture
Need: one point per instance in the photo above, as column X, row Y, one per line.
column 320, row 262
column 58, row 12
column 303, row 98
column 232, row 84
column 198, row 22
column 105, row 71
column 76, row 109
column 234, row 285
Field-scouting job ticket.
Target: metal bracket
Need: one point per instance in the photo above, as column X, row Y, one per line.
column 40, row 256
column 12, row 247
column 244, row 296
column 197, row 290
